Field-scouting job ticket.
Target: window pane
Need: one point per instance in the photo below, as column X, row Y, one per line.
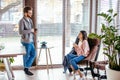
column 104, row 6
column 10, row 14
column 118, row 17
column 50, row 28
column 79, row 20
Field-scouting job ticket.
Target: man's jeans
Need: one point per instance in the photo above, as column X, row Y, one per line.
column 30, row 55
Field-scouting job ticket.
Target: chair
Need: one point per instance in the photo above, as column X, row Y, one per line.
column 94, row 45
column 99, row 65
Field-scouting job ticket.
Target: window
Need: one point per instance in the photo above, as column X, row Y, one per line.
column 10, row 14
column 79, row 20
column 50, row 28
column 118, row 17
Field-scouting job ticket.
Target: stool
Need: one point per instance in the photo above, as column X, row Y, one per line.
column 47, row 52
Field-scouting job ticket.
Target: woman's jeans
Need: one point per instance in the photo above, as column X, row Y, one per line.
column 30, row 55
column 74, row 59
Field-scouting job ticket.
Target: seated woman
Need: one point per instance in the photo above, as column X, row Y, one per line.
column 82, row 50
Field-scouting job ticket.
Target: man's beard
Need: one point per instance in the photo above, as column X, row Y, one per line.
column 28, row 16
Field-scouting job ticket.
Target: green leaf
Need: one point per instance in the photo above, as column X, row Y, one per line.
column 110, row 10
column 109, row 17
column 110, row 58
column 113, row 29
column 103, row 27
column 110, row 20
column 115, row 15
column 105, row 49
column 102, row 36
column 103, row 15
column 11, row 59
column 93, row 36
column 99, row 14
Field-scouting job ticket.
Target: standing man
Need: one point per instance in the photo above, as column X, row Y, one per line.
column 27, row 32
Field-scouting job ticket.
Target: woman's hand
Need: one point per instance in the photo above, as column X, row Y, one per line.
column 74, row 45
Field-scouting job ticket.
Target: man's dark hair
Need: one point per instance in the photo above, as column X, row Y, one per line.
column 26, row 9
column 84, row 33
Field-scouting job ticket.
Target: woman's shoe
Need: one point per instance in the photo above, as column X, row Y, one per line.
column 83, row 78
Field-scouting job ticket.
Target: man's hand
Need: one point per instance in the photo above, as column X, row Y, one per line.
column 32, row 30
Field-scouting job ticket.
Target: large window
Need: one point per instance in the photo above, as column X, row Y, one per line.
column 79, row 20
column 50, row 28
column 50, row 25
column 10, row 14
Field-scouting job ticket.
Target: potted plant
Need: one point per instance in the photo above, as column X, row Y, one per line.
column 111, row 41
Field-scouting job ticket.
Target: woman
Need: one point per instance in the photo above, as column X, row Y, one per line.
column 82, row 50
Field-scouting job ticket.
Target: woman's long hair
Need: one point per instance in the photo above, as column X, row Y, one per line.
column 84, row 33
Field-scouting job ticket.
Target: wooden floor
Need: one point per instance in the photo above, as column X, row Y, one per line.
column 54, row 74
column 41, row 74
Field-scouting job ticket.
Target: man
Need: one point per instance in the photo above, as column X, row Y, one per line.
column 27, row 32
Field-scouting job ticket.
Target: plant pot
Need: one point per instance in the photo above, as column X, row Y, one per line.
column 2, row 66
column 112, row 74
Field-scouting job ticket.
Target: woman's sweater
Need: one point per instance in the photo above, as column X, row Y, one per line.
column 82, row 48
